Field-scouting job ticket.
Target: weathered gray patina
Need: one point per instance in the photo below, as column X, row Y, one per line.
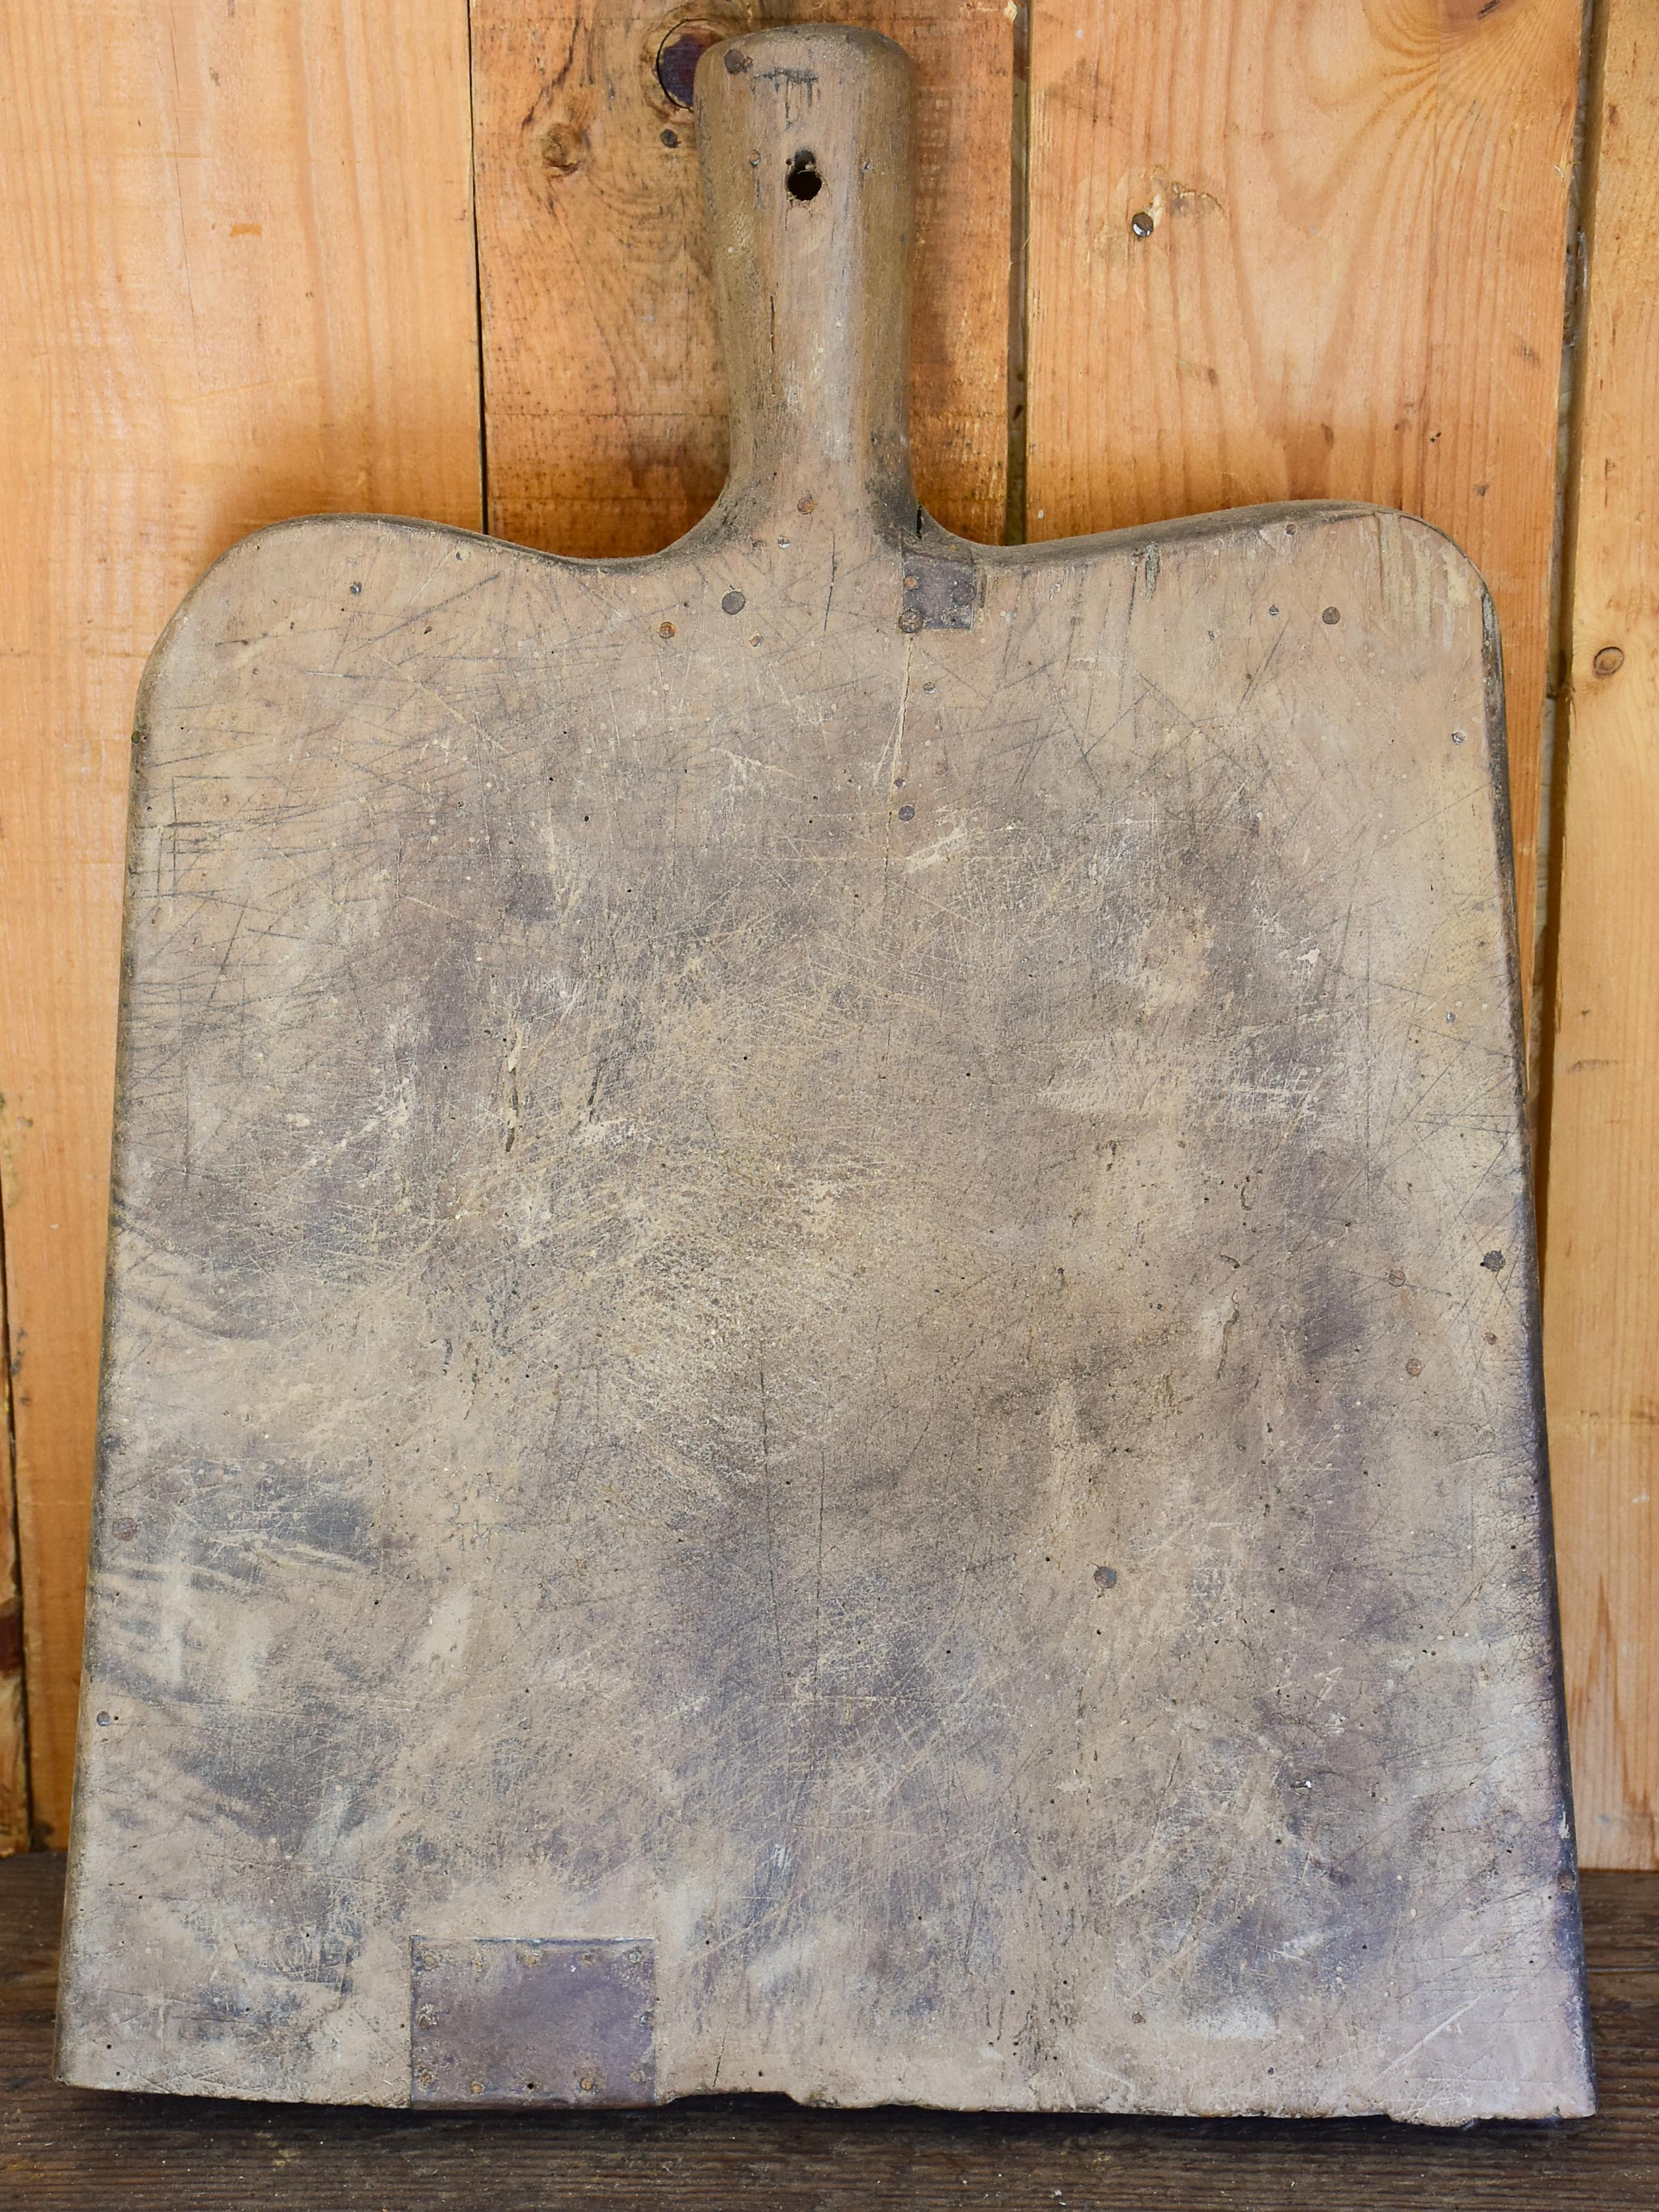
column 822, row 1281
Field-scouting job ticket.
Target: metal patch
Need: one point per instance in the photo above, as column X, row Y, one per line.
column 537, row 2021
column 941, row 591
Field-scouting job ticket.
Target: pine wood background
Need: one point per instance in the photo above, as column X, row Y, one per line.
column 264, row 258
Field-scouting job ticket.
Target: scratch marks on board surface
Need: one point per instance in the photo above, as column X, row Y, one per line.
column 764, row 1166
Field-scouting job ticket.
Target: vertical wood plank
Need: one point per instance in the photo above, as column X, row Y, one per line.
column 604, row 396
column 236, row 273
column 1309, row 249
column 1601, row 1193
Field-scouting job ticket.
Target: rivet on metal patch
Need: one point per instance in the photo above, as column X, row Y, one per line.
column 532, row 2021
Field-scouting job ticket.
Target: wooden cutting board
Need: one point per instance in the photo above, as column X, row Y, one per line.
column 823, row 1348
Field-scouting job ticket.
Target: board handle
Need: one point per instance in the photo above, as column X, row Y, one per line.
column 807, row 141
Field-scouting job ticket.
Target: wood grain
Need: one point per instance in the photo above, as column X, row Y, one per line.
column 235, row 284
column 746, row 1194
column 76, row 2150
column 1602, row 1191
column 238, row 283
column 1350, row 284
column 605, row 396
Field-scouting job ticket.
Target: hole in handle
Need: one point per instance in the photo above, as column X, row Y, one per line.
column 803, row 180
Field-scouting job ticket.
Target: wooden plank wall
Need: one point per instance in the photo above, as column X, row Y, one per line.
column 1350, row 283
column 1601, row 1196
column 236, row 283
column 605, row 402
column 1276, row 248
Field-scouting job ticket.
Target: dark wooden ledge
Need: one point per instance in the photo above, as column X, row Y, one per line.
column 71, row 2150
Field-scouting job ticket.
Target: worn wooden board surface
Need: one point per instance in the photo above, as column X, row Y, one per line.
column 604, row 392
column 235, row 284
column 291, row 159
column 1603, row 1189
column 1351, row 282
column 75, row 2150
column 823, row 1267
column 15, row 1823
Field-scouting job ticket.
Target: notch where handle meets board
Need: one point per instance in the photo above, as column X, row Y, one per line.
column 807, row 139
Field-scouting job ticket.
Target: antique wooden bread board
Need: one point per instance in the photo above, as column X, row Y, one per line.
column 822, row 1363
